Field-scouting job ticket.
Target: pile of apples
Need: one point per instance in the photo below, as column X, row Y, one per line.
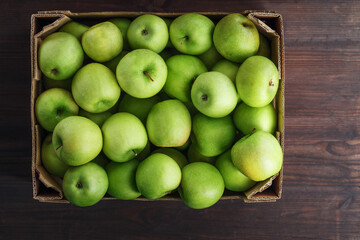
column 154, row 105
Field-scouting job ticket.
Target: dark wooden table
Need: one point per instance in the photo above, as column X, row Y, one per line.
column 321, row 195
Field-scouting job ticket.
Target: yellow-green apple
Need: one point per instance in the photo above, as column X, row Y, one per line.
column 52, row 106
column 77, row 140
column 264, row 47
column 236, row 37
column 194, row 156
column 214, row 94
column 228, row 68
column 201, row 185
column 140, row 107
column 191, row 33
column 112, row 64
column 157, row 176
column 124, row 137
column 141, row 73
column 258, row 155
column 95, row 88
column 122, row 183
column 102, row 42
column 50, row 160
column 182, row 72
column 123, row 24
column 234, row 180
column 148, row 32
column 257, row 81
column 85, row 185
column 169, row 124
column 212, row 136
column 74, row 28
column 210, row 57
column 174, row 154
column 60, row 56
column 262, row 118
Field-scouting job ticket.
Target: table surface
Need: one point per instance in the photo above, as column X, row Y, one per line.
column 321, row 188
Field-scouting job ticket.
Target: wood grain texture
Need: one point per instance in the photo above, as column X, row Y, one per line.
column 321, row 189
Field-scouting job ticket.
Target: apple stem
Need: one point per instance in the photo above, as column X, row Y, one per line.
column 204, row 97
column 252, row 131
column 135, row 153
column 271, row 83
column 148, row 76
column 58, row 147
column 79, row 185
column 182, row 41
column 58, row 112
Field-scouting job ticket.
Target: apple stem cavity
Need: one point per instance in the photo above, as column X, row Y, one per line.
column 204, row 97
column 79, row 185
column 144, row 32
column 54, row 71
column 135, row 153
column 271, row 83
column 58, row 147
column 58, row 112
column 148, row 76
column 245, row 24
column 185, row 38
column 252, row 131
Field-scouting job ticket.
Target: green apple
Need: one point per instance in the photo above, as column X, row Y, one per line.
column 236, row 37
column 214, row 94
column 191, row 33
column 140, row 107
column 74, row 28
column 99, row 118
column 174, row 154
column 168, row 22
column 247, row 118
column 52, row 106
column 141, row 73
column 194, row 156
column 258, row 155
column 112, row 64
column 169, row 124
column 122, row 183
column 102, row 42
column 210, row 57
column 264, row 47
column 257, row 81
column 95, row 88
column 60, row 56
column 182, row 72
column 144, row 153
column 233, row 178
column 124, row 137
column 101, row 160
column 77, row 140
column 212, row 136
column 201, row 185
column 157, row 176
column 228, row 68
column 168, row 52
column 64, row 84
column 85, row 185
column 123, row 24
column 149, row 32
column 50, row 160
column 185, row 146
